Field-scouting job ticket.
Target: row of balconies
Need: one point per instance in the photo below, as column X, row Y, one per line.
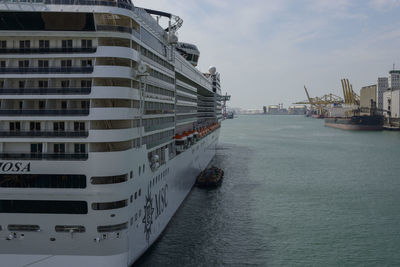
column 80, row 134
column 45, row 112
column 46, row 91
column 47, row 50
column 45, row 70
column 44, row 156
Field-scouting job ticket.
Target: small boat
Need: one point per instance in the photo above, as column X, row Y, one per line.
column 211, row 177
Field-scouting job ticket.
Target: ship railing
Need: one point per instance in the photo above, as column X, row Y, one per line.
column 44, row 156
column 44, row 112
column 46, row 50
column 114, row 28
column 141, row 13
column 186, row 120
column 46, row 91
column 44, row 133
column 159, row 142
column 158, row 127
column 47, row 70
column 121, row 4
column 158, row 112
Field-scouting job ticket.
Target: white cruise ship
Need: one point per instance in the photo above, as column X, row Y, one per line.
column 105, row 122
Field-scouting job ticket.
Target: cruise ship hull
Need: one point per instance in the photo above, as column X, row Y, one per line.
column 160, row 204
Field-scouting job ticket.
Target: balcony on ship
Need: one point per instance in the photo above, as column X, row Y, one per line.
column 45, row 129
column 47, row 86
column 48, row 50
column 45, row 70
column 43, row 156
column 56, row 134
column 44, row 151
column 50, row 107
column 46, row 91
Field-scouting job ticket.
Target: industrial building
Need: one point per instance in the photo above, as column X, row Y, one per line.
column 368, row 95
column 382, row 86
column 391, row 103
column 297, row 110
column 391, row 99
column 276, row 110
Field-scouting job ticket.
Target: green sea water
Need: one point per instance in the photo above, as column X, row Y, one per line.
column 295, row 193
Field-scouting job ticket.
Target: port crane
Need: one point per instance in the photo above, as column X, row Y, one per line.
column 350, row 97
column 318, row 104
column 224, row 99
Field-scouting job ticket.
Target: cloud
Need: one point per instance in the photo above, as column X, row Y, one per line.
column 384, row 4
column 267, row 50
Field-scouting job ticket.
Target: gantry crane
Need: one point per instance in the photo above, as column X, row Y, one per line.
column 318, row 104
column 350, row 97
column 224, row 99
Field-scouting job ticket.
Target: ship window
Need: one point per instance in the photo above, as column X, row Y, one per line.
column 43, row 206
column 3, row 44
column 43, row 63
column 63, row 104
column 86, row 43
column 44, row 44
column 66, row 63
column 2, row 64
column 112, row 228
column 140, row 192
column 79, row 126
column 42, row 181
column 50, row 21
column 66, row 43
column 64, row 84
column 131, row 199
column 86, row 63
column 109, row 179
column 135, row 195
column 59, row 126
column 79, row 148
column 23, row 227
column 34, row 126
column 36, row 148
column 131, row 174
column 42, row 104
column 1, row 84
column 23, row 64
column 110, row 205
column 15, row 126
column 25, row 44
column 70, row 228
column 84, row 104
column 43, row 84
column 86, row 83
column 59, row 148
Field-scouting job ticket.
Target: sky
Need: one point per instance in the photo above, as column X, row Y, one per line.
column 267, row 50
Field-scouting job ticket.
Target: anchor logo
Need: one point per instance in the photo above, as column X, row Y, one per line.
column 148, row 214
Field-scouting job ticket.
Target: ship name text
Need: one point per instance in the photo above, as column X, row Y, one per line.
column 15, row 167
column 161, row 200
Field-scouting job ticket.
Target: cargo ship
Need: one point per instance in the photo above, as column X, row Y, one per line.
column 368, row 123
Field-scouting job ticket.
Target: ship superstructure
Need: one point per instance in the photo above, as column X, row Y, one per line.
column 104, row 125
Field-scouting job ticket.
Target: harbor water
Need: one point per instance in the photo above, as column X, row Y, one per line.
column 295, row 193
